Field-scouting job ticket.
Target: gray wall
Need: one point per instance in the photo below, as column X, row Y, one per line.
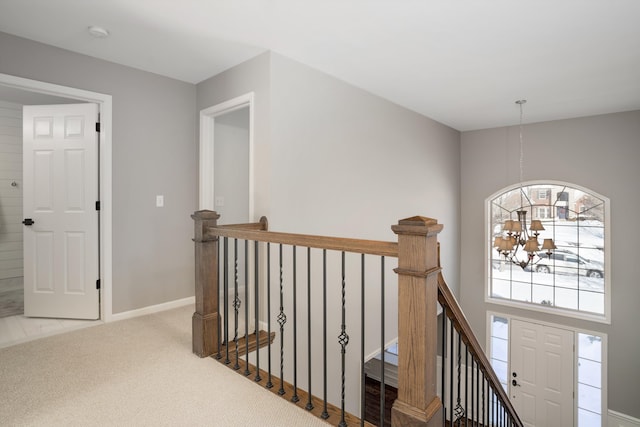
column 600, row 153
column 154, row 152
column 348, row 163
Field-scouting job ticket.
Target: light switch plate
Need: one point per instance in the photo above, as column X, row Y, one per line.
column 159, row 201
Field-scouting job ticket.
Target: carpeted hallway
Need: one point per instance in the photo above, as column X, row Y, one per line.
column 137, row 372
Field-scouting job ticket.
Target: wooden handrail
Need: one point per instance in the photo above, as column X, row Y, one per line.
column 420, row 285
column 257, row 232
column 460, row 323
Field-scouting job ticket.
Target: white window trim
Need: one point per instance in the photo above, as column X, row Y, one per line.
column 606, row 318
column 604, row 360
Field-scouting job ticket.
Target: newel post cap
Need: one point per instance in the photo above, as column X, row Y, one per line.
column 418, row 225
column 205, row 215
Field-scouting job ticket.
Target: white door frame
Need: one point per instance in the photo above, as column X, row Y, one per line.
column 105, row 107
column 207, row 124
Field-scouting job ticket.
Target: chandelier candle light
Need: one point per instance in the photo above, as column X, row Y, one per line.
column 517, row 236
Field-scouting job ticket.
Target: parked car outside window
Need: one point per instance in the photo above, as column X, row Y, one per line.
column 564, row 262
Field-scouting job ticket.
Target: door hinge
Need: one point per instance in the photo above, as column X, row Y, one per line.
column 98, row 205
column 98, row 284
column 97, row 126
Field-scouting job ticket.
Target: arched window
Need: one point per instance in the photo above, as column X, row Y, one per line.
column 570, row 279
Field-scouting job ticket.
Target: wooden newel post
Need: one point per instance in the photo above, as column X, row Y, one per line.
column 206, row 319
column 417, row 403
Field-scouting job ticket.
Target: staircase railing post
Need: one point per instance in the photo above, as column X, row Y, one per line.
column 417, row 403
column 206, row 319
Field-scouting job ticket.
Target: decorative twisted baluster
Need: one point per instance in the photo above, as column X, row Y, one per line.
column 282, row 319
column 458, row 411
column 236, row 300
column 343, row 340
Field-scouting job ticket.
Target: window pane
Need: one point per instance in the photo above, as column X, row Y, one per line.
column 589, row 398
column 592, row 302
column 501, row 289
column 589, row 419
column 499, row 349
column 566, row 298
column 589, row 372
column 590, row 347
column 543, row 294
column 521, row 291
column 500, row 327
column 501, row 369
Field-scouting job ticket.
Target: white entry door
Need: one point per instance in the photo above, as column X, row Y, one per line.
column 541, row 381
column 60, row 175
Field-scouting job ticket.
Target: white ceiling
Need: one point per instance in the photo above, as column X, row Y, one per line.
column 461, row 62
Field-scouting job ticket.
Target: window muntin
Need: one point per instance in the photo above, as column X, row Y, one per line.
column 574, row 278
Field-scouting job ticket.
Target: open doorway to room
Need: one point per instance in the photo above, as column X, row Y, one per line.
column 15, row 93
column 226, row 186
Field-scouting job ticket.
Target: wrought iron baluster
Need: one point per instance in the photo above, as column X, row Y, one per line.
column 451, row 385
column 236, row 300
column 458, row 411
column 466, row 383
column 324, row 414
column 309, row 403
column 226, row 300
column 362, row 320
column 282, row 319
column 256, row 266
column 443, row 369
column 343, row 340
column 484, row 401
column 220, row 255
column 269, row 383
column 383, row 387
column 246, row 308
column 295, row 397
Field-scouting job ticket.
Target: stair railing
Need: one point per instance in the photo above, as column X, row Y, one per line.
column 272, row 266
column 471, row 391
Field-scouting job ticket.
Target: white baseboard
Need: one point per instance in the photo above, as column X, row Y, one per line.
column 616, row 419
column 153, row 309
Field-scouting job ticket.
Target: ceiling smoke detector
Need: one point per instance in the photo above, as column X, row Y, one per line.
column 98, row 32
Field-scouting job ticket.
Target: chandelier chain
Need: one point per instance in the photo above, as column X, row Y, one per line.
column 522, row 101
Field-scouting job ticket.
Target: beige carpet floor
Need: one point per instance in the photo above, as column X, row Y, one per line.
column 136, row 372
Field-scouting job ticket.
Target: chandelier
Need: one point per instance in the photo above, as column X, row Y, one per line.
column 516, row 237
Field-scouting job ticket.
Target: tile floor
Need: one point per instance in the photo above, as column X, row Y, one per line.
column 19, row 329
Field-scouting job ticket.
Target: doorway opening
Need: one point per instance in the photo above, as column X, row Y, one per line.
column 18, row 91
column 226, row 159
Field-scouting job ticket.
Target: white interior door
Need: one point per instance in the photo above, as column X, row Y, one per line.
column 60, row 174
column 542, row 374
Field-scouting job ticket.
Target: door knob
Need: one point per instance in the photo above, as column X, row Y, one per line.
column 515, row 383
column 28, row 221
